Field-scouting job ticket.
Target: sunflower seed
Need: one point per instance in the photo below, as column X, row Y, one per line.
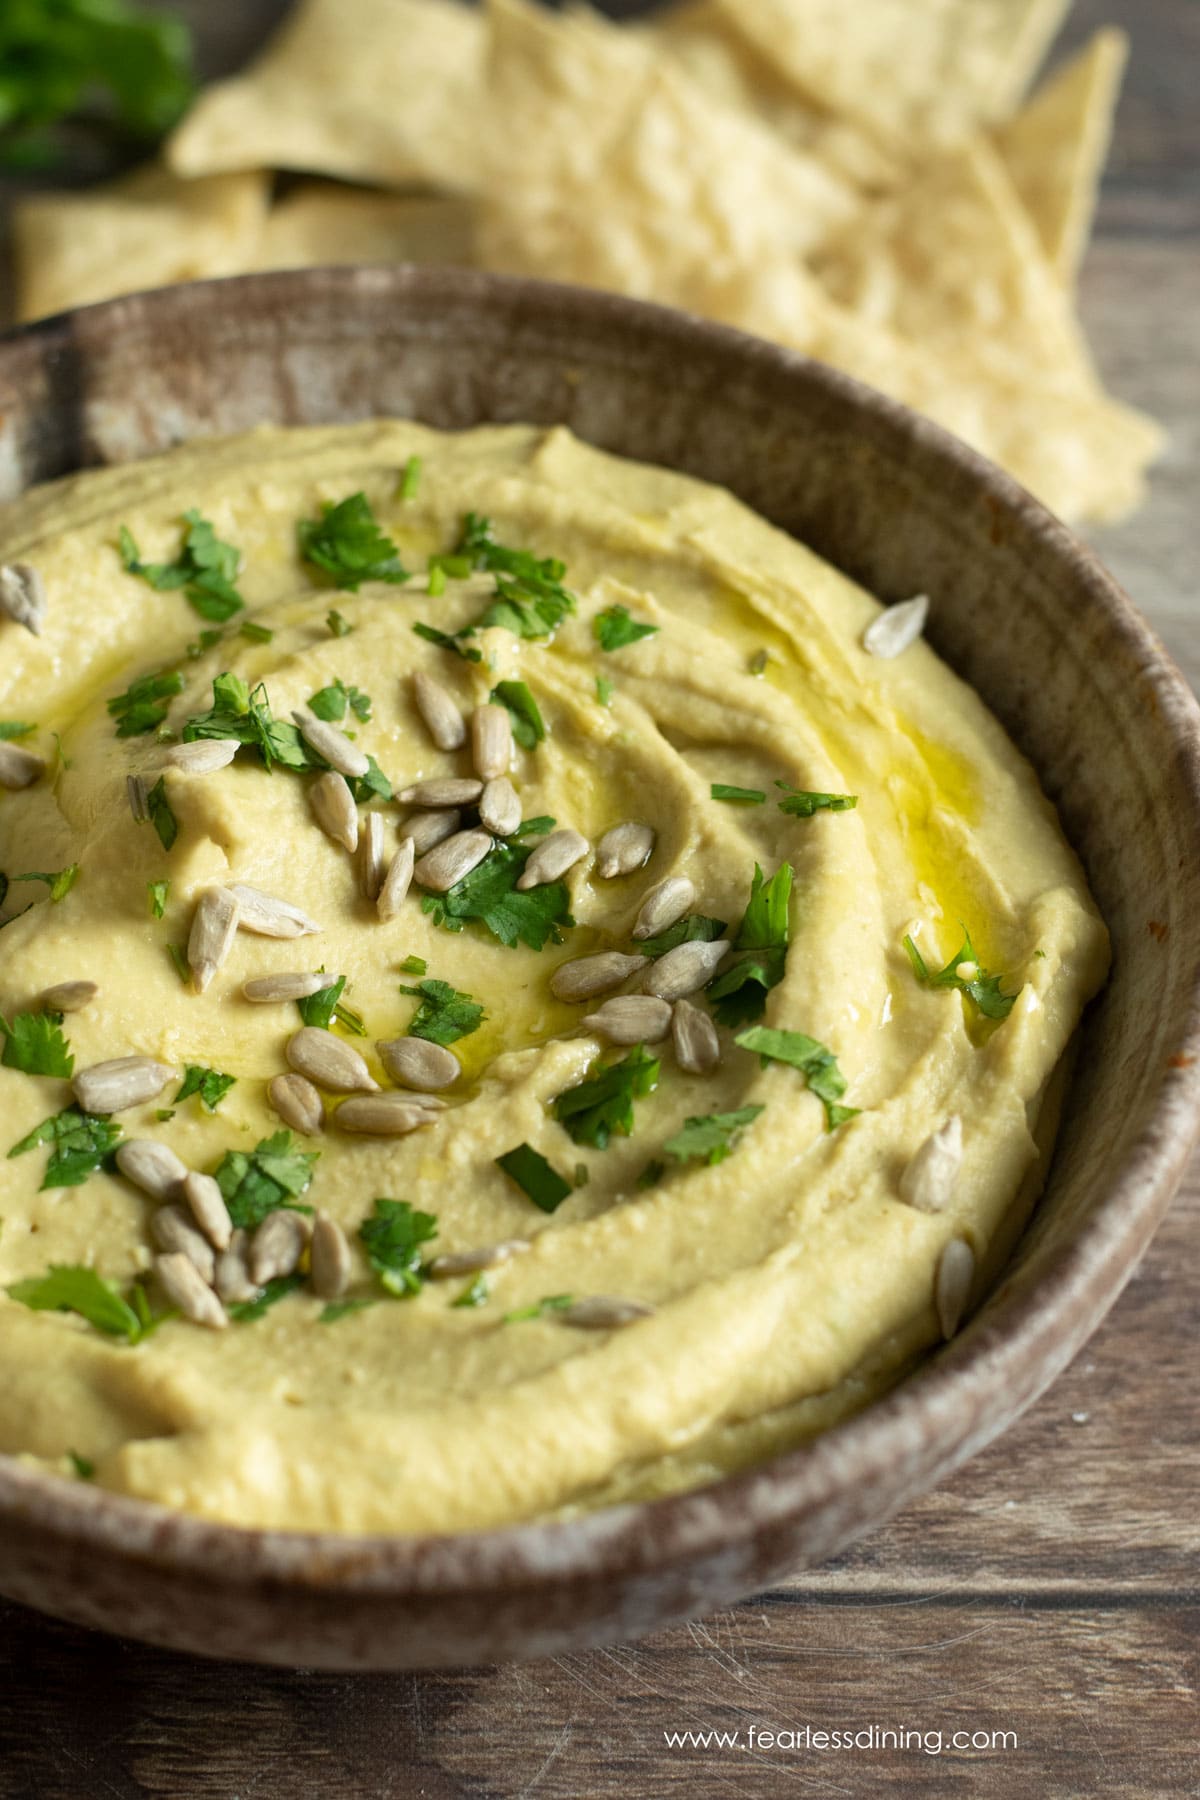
column 329, row 1062
column 207, row 1206
column 385, row 1115
column 19, row 768
column 685, row 969
column 588, row 976
column 334, row 810
column 631, row 1019
column 171, row 1229
column 69, row 996
column 443, row 721
column 23, row 596
column 137, row 793
column 298, row 1103
column 397, row 881
column 697, row 1046
column 417, row 1063
column 125, row 1081
column 604, row 1312
column 896, row 628
column 233, row 1277
column 330, row 1258
column 470, row 1262
column 204, row 756
column 500, row 807
column 277, row 1245
column 266, row 989
column 623, row 849
column 425, row 829
column 449, row 862
column 151, row 1166
column 214, row 927
column 449, row 790
column 330, row 743
column 664, row 906
column 265, row 916
column 185, row 1288
column 552, row 858
column 371, row 863
column 928, row 1179
column 491, row 741
column 952, row 1284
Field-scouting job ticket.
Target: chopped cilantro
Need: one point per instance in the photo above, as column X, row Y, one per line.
column 549, row 1303
column 652, row 1174
column 34, row 1043
column 338, row 626
column 802, row 805
column 695, row 928
column 475, row 1294
column 160, row 814
column 817, row 1064
column 711, row 1137
column 145, row 703
column 413, row 965
column 164, row 1114
column 444, row 1015
column 445, row 641
column 206, row 569
column 410, row 480
column 615, row 627
column 323, row 1007
column 73, row 1288
column 739, row 993
column 81, row 1465
column 157, row 892
column 437, row 581
column 374, row 785
column 341, row 1309
column 595, row 1108
column 236, row 712
column 982, row 988
column 256, row 1182
column 528, row 726
column 210, row 1084
column 535, row 1177
column 255, row 633
column 392, row 1240
column 489, row 894
column 347, row 543
column 80, row 1142
column 330, row 702
column 720, row 790
column 178, row 956
column 203, row 644
column 604, row 690
column 244, row 1312
column 14, row 728
column 534, row 827
column 59, row 883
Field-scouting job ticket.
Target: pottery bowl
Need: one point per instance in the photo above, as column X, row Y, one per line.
column 1020, row 609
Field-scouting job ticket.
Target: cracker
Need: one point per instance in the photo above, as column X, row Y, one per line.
column 147, row 230
column 1056, row 147
column 321, row 223
column 386, row 91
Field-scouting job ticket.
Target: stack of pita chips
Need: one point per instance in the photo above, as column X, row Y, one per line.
column 866, row 184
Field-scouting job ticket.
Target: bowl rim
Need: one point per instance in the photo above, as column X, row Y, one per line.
column 973, row 1375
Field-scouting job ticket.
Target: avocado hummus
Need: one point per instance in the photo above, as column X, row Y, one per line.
column 711, row 1248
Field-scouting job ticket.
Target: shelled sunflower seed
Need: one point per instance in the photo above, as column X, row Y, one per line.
column 585, row 977
column 298, row 1103
column 334, row 810
column 664, row 906
column 329, row 1063
column 552, row 858
column 443, row 720
column 416, row 1063
column 332, row 745
column 385, row 1115
column 929, row 1176
column 630, row 1019
column 442, row 791
column 187, row 1289
column 232, row 1276
column 397, row 881
column 491, row 741
column 172, row 1230
column 137, row 794
column 450, row 862
column 371, row 859
column 206, row 1204
column 685, row 969
column 330, row 1258
column 604, row 1312
column 694, row 1036
column 23, row 596
column 19, row 768
column 277, row 1245
column 69, row 996
column 425, row 829
column 298, row 984
column 623, row 849
column 952, row 1284
column 214, row 927
column 151, row 1166
column 896, row 628
column 264, row 915
column 203, row 757
column 123, row 1081
column 500, row 807
column 472, row 1262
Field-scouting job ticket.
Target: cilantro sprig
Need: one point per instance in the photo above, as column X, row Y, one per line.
column 445, row 1014
column 489, row 894
column 80, row 1143
column 979, row 987
column 331, row 703
column 144, row 704
column 59, row 881
column 209, row 1084
column 348, row 543
column 206, row 569
column 73, row 1288
column 244, row 1312
column 615, row 627
column 34, row 1044
column 11, row 729
column 693, row 928
column 536, row 1178
column 603, row 1103
column 256, row 1182
column 392, row 1238
column 712, row 1137
column 326, row 1005
column 740, row 992
column 239, row 712
column 817, row 1064
column 528, row 726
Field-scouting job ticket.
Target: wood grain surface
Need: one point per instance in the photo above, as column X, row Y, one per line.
column 1049, row 1591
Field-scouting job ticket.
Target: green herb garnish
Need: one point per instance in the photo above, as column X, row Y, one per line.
column 712, row 1137
column 34, row 1043
column 156, row 892
column 59, row 882
column 528, row 726
column 255, row 1182
column 244, row 1312
column 604, row 690
column 161, row 816
column 489, row 894
column 393, row 1240
column 817, row 1064
column 983, row 989
column 445, row 1014
column 476, row 1294
column 338, row 626
column 652, row 1174
column 615, row 627
column 80, row 1144
column 347, row 543
column 695, row 928
column 445, row 641
column 254, row 633
column 323, row 1007
column 374, row 785
column 410, row 480
column 341, row 1309
column 210, row 1084
column 73, row 1288
column 720, row 790
column 802, row 804
column 534, row 827
column 81, row 1465
column 14, row 728
column 330, row 703
column 413, row 965
column 739, row 993
column 206, row 569
column 535, row 1177
column 145, row 703
column 602, row 1104
column 237, row 712
column 179, row 961
column 549, row 1303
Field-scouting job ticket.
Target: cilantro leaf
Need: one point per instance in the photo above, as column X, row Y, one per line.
column 347, row 543
column 720, row 790
column 210, row 1084
column 156, row 892
column 602, row 1104
column 237, row 712
column 445, row 1014
column 489, row 894
column 528, row 726
column 615, row 627
column 14, row 728
column 549, row 1303
column 84, row 1468
column 445, row 641
column 244, row 1312
column 739, row 993
column 535, row 1177
column 255, row 1182
column 530, row 599
column 534, row 827
column 980, row 987
column 206, row 569
column 713, row 1136
column 160, row 814
column 60, row 883
column 604, row 690
column 330, row 703
column 34, row 1043
column 80, row 1142
column 817, row 1064
column 255, row 633
column 145, row 703
column 338, row 626
column 341, row 1309
column 802, row 805
column 695, row 928
column 72, row 1288
column 476, row 1293
column 373, row 785
column 410, row 480
column 392, row 1240
column 323, row 1007
column 413, row 965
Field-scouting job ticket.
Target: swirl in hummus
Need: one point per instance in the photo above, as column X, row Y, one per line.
column 673, row 1300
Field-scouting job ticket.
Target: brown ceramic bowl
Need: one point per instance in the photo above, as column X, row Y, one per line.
column 1020, row 609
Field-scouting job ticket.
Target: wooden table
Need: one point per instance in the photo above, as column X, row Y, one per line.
column 1048, row 1591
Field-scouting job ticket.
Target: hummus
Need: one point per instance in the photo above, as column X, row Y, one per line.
column 766, row 1293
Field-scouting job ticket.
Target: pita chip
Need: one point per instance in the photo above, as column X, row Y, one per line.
column 324, row 223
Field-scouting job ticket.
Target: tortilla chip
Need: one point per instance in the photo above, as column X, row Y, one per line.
column 730, row 70
column 1056, row 147
column 618, row 173
column 385, row 91
column 322, row 223
column 147, row 230
column 914, row 73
